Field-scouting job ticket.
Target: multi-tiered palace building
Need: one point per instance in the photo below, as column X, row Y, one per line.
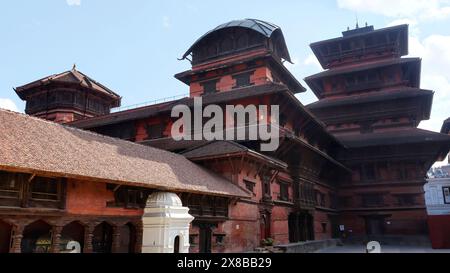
column 350, row 165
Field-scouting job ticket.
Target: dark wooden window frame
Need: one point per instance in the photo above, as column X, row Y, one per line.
column 407, row 199
column 243, row 79
column 446, row 194
column 284, row 191
column 250, row 185
column 155, row 130
column 30, row 195
column 209, row 87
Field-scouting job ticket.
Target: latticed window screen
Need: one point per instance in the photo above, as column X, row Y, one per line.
column 44, row 188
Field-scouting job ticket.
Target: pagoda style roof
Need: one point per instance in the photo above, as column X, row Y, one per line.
column 370, row 31
column 36, row 146
column 264, row 28
column 362, row 67
column 314, row 80
column 370, row 97
column 361, row 33
column 72, row 76
column 446, row 126
column 217, row 149
column 397, row 137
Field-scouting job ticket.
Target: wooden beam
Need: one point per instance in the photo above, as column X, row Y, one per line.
column 116, row 188
column 31, row 177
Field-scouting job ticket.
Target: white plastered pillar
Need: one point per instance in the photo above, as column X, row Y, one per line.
column 164, row 219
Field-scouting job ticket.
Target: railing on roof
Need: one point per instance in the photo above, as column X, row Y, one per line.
column 148, row 103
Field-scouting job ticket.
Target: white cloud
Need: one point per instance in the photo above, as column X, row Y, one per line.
column 413, row 25
column 73, row 2
column 166, row 22
column 312, row 60
column 8, row 104
column 292, row 66
column 435, row 55
column 421, row 9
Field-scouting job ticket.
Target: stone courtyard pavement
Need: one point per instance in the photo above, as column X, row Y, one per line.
column 384, row 249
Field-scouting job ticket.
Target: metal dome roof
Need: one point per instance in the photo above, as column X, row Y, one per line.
column 265, row 28
column 163, row 199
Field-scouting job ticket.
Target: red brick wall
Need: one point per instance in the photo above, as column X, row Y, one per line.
column 89, row 198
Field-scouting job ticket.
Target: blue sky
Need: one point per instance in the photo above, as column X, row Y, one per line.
column 132, row 46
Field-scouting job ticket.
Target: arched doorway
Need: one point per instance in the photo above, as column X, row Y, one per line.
column 73, row 231
column 5, row 236
column 37, row 238
column 127, row 239
column 102, row 239
column 176, row 245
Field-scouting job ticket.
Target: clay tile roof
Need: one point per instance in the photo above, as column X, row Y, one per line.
column 71, row 76
column 32, row 145
column 227, row 148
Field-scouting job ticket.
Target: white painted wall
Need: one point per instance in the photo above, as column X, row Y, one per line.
column 434, row 196
column 165, row 218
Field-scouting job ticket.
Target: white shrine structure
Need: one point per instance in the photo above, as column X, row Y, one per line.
column 165, row 224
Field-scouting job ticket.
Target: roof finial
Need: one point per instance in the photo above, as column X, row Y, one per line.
column 74, row 67
column 366, row 24
column 357, row 23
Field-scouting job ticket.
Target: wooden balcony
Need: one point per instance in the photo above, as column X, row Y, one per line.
column 380, row 49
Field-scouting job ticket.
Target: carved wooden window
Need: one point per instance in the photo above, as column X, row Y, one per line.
column 401, row 173
column 219, row 238
column 406, row 199
column 79, row 99
column 368, row 172
column 320, row 199
column 266, row 187
column 372, row 200
column 333, row 201
column 242, row 80
column 122, row 130
column 249, row 185
column 43, row 188
column 284, row 191
column 155, row 131
column 345, row 201
column 210, row 87
column 128, row 197
column 10, row 184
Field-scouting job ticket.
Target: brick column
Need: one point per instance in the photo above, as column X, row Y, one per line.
column 88, row 235
column 138, row 244
column 115, row 239
column 16, row 245
column 56, row 239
